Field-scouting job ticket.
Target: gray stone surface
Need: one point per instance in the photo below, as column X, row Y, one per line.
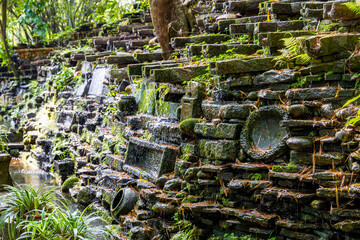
column 148, row 159
column 275, row 77
column 262, row 137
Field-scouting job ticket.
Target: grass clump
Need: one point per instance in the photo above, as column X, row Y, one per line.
column 40, row 214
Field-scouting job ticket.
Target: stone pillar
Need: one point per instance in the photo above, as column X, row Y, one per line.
column 5, row 178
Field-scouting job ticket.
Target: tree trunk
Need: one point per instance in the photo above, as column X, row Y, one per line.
column 170, row 19
column 3, row 24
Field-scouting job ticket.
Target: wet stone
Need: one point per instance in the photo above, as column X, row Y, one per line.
column 174, row 184
column 154, row 159
column 300, row 143
column 299, row 111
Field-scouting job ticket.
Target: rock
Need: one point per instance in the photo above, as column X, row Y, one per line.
column 138, row 233
column 226, row 17
column 320, row 46
column 212, row 50
column 233, row 82
column 300, row 143
column 220, row 131
column 69, row 183
column 191, row 174
column 64, row 167
column 165, row 210
column 143, row 184
column 173, row 185
column 155, row 160
column 188, row 125
column 191, row 102
column 5, row 178
column 317, row 93
column 320, row 159
column 236, row 111
column 299, row 111
column 219, row 150
column 86, row 196
column 243, row 66
column 275, row 77
column 343, row 135
column 180, row 42
column 341, row 12
column 177, row 74
column 263, row 138
column 327, row 111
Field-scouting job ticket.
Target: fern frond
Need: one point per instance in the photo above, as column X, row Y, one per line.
column 304, row 58
column 290, row 44
column 354, row 7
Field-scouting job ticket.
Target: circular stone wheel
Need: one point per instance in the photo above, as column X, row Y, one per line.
column 123, row 202
column 262, row 137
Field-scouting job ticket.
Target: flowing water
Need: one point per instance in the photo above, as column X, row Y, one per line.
column 97, row 86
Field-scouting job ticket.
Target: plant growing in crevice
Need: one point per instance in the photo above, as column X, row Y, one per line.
column 290, row 53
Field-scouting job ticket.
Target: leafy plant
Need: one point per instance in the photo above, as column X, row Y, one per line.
column 24, row 203
column 62, row 224
column 356, row 118
column 187, row 231
column 290, row 53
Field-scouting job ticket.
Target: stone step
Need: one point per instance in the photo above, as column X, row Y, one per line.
column 251, row 167
column 287, row 195
column 155, row 159
column 274, row 39
column 181, row 42
column 242, row 66
column 333, row 179
column 226, row 110
column 248, row 185
column 348, row 192
column 310, row 123
column 244, row 7
column 213, row 50
column 324, row 159
column 177, row 74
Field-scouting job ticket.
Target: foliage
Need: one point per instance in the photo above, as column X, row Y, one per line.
column 353, row 6
column 66, row 77
column 62, row 224
column 24, row 203
column 355, row 119
column 39, row 214
column 289, row 168
column 187, row 231
column 290, row 53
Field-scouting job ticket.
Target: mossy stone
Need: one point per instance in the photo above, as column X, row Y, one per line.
column 69, row 183
column 188, row 125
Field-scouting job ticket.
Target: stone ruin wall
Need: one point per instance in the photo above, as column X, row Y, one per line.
column 264, row 151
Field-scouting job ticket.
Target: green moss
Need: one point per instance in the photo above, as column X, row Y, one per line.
column 69, row 183
column 289, row 168
column 188, row 125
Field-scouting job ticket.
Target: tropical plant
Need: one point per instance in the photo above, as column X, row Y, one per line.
column 24, row 203
column 290, row 53
column 355, row 119
column 63, row 224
